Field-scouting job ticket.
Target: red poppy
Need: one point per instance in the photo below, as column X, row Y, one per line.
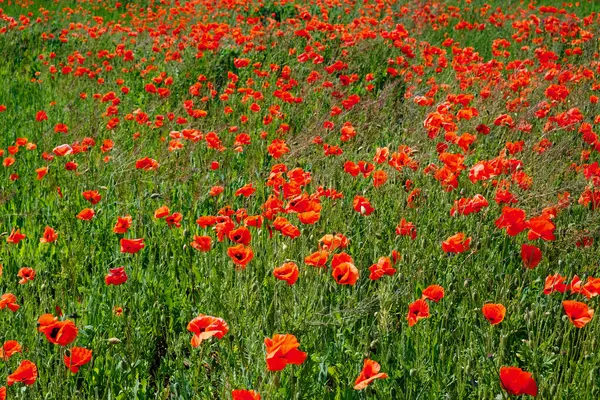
column 343, row 270
column 15, row 236
column 513, row 220
column 26, row 373
column 283, row 350
column 555, row 283
column 383, row 267
column 3, row 393
column 201, row 243
column 146, row 164
column 116, row 276
column 58, row 332
column 26, row 275
column 530, row 255
column 405, row 228
column 456, row 243
column 49, row 235
column 9, row 300
column 517, row 382
column 76, row 358
column 86, row 214
column 246, row 190
column 494, row 313
column 288, row 272
column 362, row 205
column 131, row 245
column 92, row 196
column 433, row 292
column 579, row 313
column 241, row 394
column 123, row 224
column 9, row 348
column 240, row 255
column 540, row 227
column 240, row 235
column 369, row 373
column 204, row 327
column 174, row 220
column 416, row 311
column 41, row 172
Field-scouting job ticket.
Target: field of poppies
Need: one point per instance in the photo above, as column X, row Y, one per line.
column 294, row 199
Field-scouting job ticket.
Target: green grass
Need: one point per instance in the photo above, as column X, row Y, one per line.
column 454, row 354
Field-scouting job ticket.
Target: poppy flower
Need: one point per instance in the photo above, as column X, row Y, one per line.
column 2, row 392
column 146, row 164
column 116, row 276
column 433, row 292
column 383, row 267
column 26, row 372
column 59, row 332
column 579, row 313
column 555, row 283
column 406, row 228
column 416, row 311
column 317, row 259
column 288, row 272
column 174, row 220
column 494, row 313
column 246, row 190
column 49, row 235
column 41, row 172
column 369, row 373
column 540, row 228
column 343, row 270
column 86, row 214
column 513, row 220
column 456, row 243
column 362, row 205
column 241, row 394
column 9, row 348
column 283, row 350
column 240, row 255
column 240, row 235
column 517, row 382
column 9, row 300
column 76, row 358
column 161, row 212
column 15, row 236
column 131, row 245
column 123, row 224
column 26, row 275
column 201, row 243
column 204, row 327
column 92, row 196
column 530, row 255
column 332, row 242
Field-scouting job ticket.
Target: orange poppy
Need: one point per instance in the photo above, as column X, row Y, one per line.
column 76, row 358
column 131, row 245
column 555, row 283
column 204, row 327
column 362, row 205
column 317, row 259
column 92, row 196
column 494, row 313
column 26, row 372
column 161, row 212
column 579, row 313
column 416, row 311
column 15, row 236
column 517, row 382
column 343, row 270
column 288, row 272
column 283, row 350
column 369, row 373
